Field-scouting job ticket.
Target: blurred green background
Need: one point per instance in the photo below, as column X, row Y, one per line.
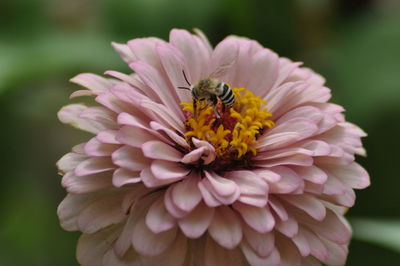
column 43, row 43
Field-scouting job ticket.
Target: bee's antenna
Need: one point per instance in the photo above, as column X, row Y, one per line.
column 184, row 88
column 183, row 71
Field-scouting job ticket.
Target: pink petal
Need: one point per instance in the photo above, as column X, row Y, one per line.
column 311, row 173
column 261, row 244
column 70, row 114
column 225, row 228
column 209, row 152
column 208, row 197
column 158, row 219
column 267, row 175
column 260, row 219
column 165, row 170
column 352, row 175
column 317, row 248
column 143, row 49
column 223, row 57
column 288, row 227
column 92, row 247
column 170, row 133
column 100, row 114
column 94, row 165
column 148, row 243
column 173, row 256
column 312, row 113
column 256, row 260
column 264, row 71
column 95, row 83
column 215, row 255
column 337, row 254
column 172, row 61
column 288, row 251
column 248, row 182
column 197, row 221
column 153, row 79
column 101, row 213
column 196, row 59
column 278, row 208
column 301, row 243
column 86, row 184
column 193, row 156
column 151, row 181
column 122, row 177
column 96, row 148
column 170, row 205
column 134, row 136
column 108, row 136
column 185, row 194
column 341, row 233
column 309, row 204
column 69, row 161
column 130, row 158
column 222, row 186
column 289, row 181
column 159, row 150
column 124, row 51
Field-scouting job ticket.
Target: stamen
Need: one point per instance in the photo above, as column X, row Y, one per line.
column 235, row 133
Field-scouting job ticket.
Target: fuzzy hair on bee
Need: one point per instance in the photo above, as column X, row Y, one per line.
column 211, row 90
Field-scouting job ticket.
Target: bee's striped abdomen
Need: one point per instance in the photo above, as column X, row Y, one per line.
column 227, row 97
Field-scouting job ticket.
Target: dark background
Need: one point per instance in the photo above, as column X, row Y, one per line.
column 43, row 43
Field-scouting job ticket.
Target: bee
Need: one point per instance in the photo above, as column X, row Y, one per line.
column 210, row 90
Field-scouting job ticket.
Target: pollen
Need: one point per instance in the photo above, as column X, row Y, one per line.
column 235, row 133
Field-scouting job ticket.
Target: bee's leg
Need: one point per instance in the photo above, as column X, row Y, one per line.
column 214, row 102
column 194, row 108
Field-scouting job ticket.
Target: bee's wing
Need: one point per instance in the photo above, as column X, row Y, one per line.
column 223, row 68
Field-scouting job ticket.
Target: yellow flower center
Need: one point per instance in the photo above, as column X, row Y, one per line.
column 235, row 133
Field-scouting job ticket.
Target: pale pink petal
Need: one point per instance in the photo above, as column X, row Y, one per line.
column 309, row 204
column 208, row 197
column 92, row 247
column 151, row 181
column 159, row 150
column 170, row 205
column 196, row 59
column 101, row 213
column 148, row 243
column 122, row 177
column 168, row 170
column 311, row 173
column 130, row 158
column 70, row 114
column 197, row 221
column 94, row 165
column 255, row 260
column 337, row 253
column 225, row 228
column 341, row 234
column 317, row 248
column 124, row 51
column 223, row 58
column 100, row 114
column 260, row 219
column 209, row 151
column 96, row 148
column 224, row 190
column 94, row 83
column 85, row 184
column 289, row 227
column 170, row 133
column 134, row 136
column 186, row 194
column 288, row 251
column 264, row 72
column 301, row 242
column 143, row 49
column 153, row 79
column 289, row 181
column 174, row 255
column 108, row 136
column 158, row 219
column 352, row 175
column 278, row 208
column 261, row 243
column 268, row 175
column 69, row 161
column 215, row 255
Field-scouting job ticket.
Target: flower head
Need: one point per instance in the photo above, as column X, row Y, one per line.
column 168, row 179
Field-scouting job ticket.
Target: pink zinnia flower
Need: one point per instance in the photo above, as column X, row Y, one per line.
column 265, row 181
